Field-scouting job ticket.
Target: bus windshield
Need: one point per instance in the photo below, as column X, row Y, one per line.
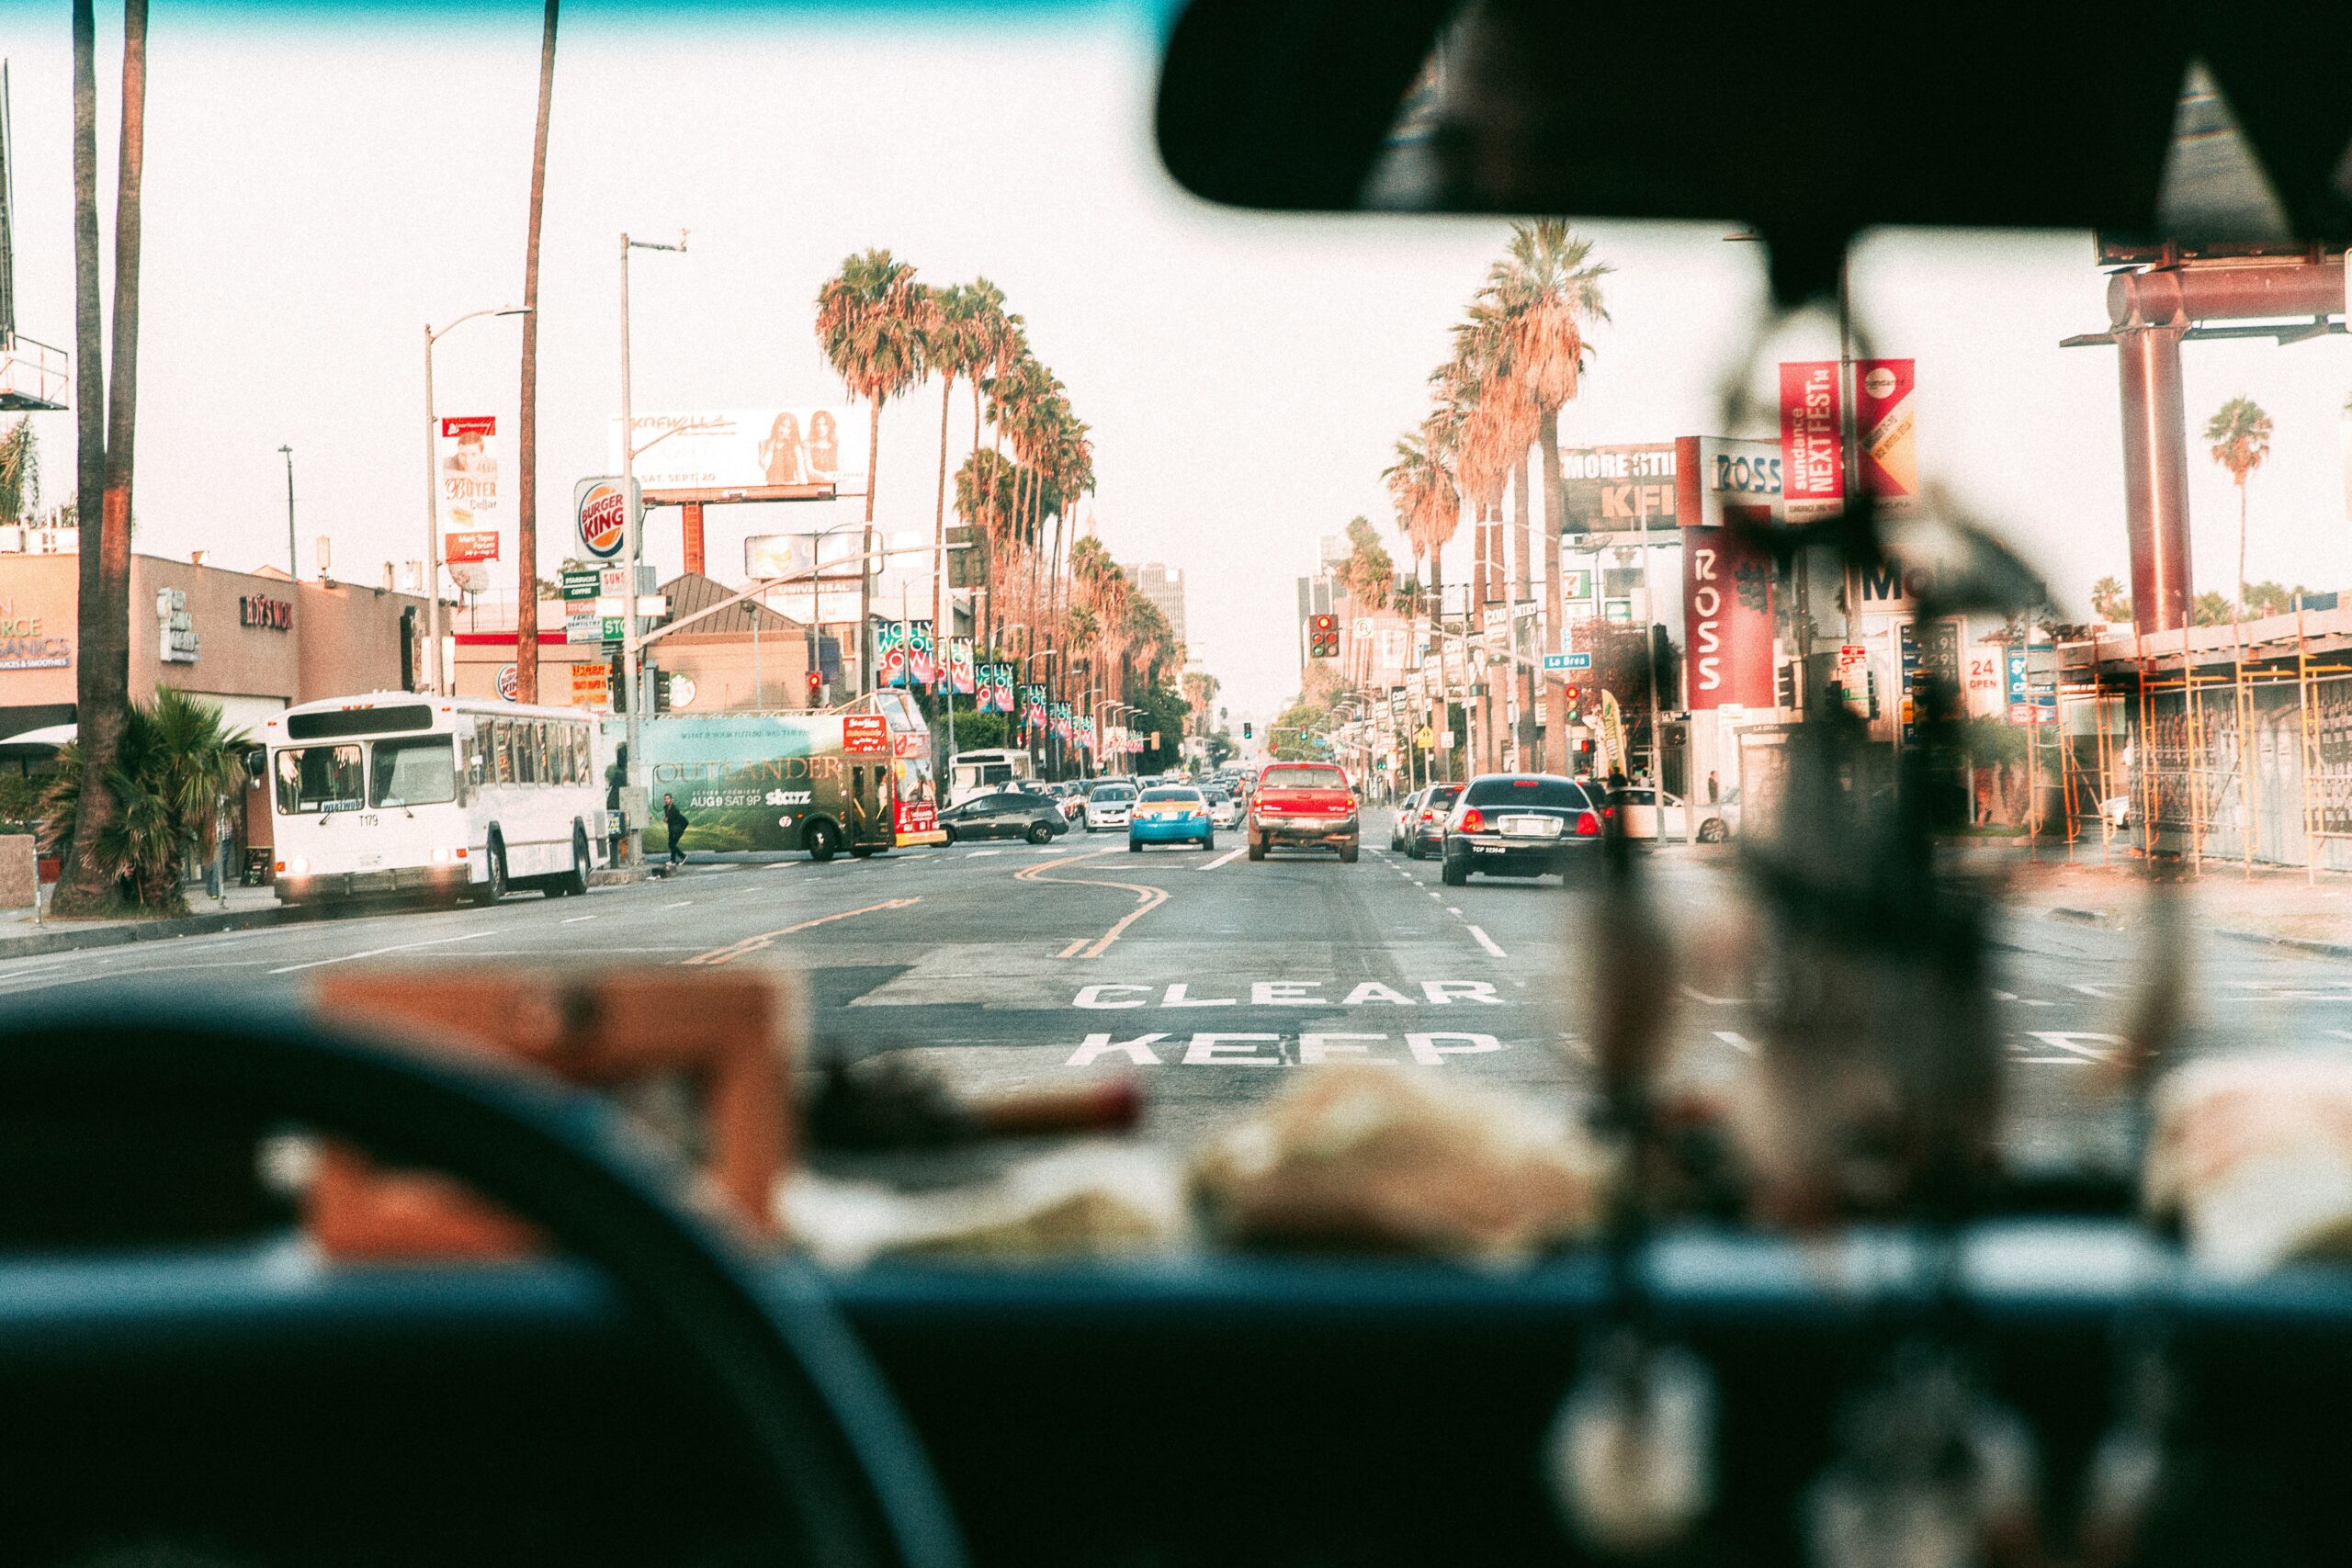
column 418, row 771
column 319, row 778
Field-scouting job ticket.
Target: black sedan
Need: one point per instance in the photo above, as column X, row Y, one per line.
column 1005, row 814
column 1521, row 825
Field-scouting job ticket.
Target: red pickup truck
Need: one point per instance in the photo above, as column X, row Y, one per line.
column 1304, row 805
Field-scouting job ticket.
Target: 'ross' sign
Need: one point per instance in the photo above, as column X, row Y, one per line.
column 1727, row 607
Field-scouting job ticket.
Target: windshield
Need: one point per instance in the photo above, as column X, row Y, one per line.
column 319, row 778
column 422, row 772
column 1952, row 621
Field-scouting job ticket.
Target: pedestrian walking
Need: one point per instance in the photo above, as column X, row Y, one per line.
column 675, row 821
column 1714, row 788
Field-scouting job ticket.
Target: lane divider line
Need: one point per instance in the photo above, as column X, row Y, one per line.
column 1220, row 860
column 379, row 951
column 1147, row 898
column 1487, row 942
column 751, row 944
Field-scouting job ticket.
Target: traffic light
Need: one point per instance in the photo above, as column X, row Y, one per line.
column 658, row 679
column 816, row 682
column 1323, row 636
column 1575, row 695
column 1245, row 729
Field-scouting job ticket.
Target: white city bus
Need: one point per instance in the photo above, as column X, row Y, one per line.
column 398, row 792
column 971, row 773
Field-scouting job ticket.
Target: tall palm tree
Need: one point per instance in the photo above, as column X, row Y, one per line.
column 953, row 345
column 106, row 426
column 996, row 334
column 2240, row 433
column 527, row 440
column 1421, row 490
column 1547, row 289
column 870, row 320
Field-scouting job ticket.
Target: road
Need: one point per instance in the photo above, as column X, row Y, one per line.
column 1205, row 975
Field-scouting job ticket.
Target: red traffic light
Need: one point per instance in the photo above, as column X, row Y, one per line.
column 815, row 679
column 1323, row 636
column 1574, row 693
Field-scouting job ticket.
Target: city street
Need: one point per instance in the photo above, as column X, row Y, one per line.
column 1206, row 976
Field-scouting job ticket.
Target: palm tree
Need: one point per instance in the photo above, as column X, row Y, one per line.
column 1420, row 489
column 870, row 320
column 2240, row 433
column 106, row 428
column 1547, row 291
column 176, row 765
column 996, row 334
column 527, row 440
column 953, row 345
column 19, row 472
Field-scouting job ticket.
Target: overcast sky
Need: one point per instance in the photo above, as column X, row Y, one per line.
column 318, row 187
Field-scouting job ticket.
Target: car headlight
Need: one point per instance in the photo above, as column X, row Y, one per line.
column 297, row 867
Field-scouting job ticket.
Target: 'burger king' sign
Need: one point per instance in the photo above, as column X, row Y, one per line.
column 603, row 518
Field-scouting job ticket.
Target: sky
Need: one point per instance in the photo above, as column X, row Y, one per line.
column 320, row 183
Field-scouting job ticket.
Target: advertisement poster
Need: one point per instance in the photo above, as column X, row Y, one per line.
column 1727, row 613
column 1085, row 732
column 922, row 656
column 463, row 549
column 1813, row 481
column 1616, row 490
column 800, row 448
column 963, row 680
column 1883, row 417
column 1033, row 707
column 995, row 688
column 745, row 781
column 469, row 469
column 1061, row 716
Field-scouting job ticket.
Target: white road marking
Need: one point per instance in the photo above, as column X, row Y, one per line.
column 575, row 919
column 379, row 951
column 976, row 854
column 1488, row 944
column 1220, row 860
column 679, row 904
column 1738, row 1042
column 1453, row 908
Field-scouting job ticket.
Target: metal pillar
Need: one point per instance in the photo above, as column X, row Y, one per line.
column 2156, row 475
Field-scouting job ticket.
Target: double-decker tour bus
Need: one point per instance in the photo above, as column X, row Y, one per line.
column 857, row 778
column 405, row 791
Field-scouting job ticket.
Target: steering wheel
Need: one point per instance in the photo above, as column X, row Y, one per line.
column 851, row 1484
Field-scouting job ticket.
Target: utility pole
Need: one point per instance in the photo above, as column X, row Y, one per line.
column 293, row 562
column 633, row 521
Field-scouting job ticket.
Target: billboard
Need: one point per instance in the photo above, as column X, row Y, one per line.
column 1033, row 707
column 904, row 655
column 468, row 468
column 599, row 520
column 962, row 678
column 806, row 446
column 830, row 557
column 1812, row 448
column 1885, row 427
column 1611, row 490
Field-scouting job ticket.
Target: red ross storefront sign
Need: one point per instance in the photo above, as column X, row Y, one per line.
column 1728, row 609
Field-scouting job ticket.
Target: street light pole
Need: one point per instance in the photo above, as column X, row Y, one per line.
column 293, row 558
column 439, row 675
column 633, row 525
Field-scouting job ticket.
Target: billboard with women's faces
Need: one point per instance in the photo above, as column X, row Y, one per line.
column 802, row 447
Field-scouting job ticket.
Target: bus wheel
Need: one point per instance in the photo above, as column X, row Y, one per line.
column 573, row 883
column 493, row 887
column 822, row 842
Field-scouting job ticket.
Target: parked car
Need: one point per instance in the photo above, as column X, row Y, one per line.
column 1172, row 814
column 1110, row 803
column 1637, row 814
column 1303, row 805
column 1005, row 814
column 1406, row 808
column 1426, row 833
column 1521, row 825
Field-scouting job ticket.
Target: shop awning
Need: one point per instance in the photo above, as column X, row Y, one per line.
column 37, row 742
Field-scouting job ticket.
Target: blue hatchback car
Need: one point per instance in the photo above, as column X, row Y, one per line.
column 1170, row 814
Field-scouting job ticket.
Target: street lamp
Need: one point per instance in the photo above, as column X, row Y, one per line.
column 293, row 558
column 439, row 667
column 633, row 527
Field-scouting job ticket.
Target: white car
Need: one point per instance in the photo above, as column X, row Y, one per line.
column 1110, row 806
column 1224, row 810
column 1637, row 812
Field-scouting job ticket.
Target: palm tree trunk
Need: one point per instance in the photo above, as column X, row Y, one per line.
column 103, row 459
column 527, row 440
column 2237, row 600
column 1556, row 724
column 1481, row 588
column 865, row 672
column 1524, row 679
column 939, row 627
column 1441, row 710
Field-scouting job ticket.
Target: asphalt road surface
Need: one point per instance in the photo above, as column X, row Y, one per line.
column 1207, row 976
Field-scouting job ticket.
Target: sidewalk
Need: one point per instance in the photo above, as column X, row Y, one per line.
column 2275, row 906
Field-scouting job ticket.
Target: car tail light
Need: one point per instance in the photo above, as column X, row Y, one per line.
column 1588, row 825
column 1429, row 816
column 1474, row 820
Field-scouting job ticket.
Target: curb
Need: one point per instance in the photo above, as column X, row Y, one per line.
column 2305, row 944
column 2084, row 917
column 73, row 939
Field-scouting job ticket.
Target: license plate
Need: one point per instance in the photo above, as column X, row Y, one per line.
column 1530, row 827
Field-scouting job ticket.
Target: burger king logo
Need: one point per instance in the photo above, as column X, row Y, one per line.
column 604, row 518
